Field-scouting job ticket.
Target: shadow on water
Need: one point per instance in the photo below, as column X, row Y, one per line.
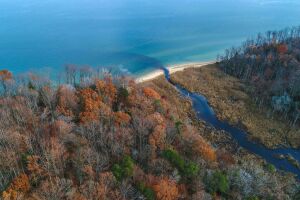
column 134, row 63
column 118, row 63
column 206, row 113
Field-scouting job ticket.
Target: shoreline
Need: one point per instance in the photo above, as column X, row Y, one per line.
column 172, row 69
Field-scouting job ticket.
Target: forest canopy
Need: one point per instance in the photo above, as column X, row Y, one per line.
column 271, row 64
column 93, row 138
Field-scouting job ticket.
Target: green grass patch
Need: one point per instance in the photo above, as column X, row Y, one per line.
column 123, row 169
column 187, row 170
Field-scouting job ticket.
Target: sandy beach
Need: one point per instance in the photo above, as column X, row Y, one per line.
column 173, row 68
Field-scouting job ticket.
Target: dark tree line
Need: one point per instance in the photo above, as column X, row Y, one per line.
column 271, row 63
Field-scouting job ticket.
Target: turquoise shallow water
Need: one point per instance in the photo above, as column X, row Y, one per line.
column 131, row 36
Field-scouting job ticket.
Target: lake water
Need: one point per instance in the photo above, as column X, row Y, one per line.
column 132, row 36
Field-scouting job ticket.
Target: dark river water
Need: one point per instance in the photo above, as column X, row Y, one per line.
column 205, row 112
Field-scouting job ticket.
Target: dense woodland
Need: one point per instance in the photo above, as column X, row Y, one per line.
column 99, row 137
column 96, row 139
column 271, row 64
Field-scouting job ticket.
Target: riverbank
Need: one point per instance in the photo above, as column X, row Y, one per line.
column 172, row 69
column 234, row 161
column 229, row 98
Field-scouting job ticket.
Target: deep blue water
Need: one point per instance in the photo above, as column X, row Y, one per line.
column 130, row 35
column 206, row 113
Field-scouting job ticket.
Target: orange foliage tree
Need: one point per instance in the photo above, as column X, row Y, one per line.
column 19, row 186
column 166, row 189
column 157, row 138
column 66, row 101
column 204, row 149
column 106, row 89
column 199, row 145
column 34, row 168
column 91, row 103
column 5, row 75
column 156, row 118
column 121, row 118
column 150, row 93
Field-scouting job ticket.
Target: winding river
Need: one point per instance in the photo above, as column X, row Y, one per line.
column 206, row 113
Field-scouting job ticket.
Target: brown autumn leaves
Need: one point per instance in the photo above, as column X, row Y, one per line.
column 61, row 142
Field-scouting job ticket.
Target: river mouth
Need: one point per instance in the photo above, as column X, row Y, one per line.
column 286, row 159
